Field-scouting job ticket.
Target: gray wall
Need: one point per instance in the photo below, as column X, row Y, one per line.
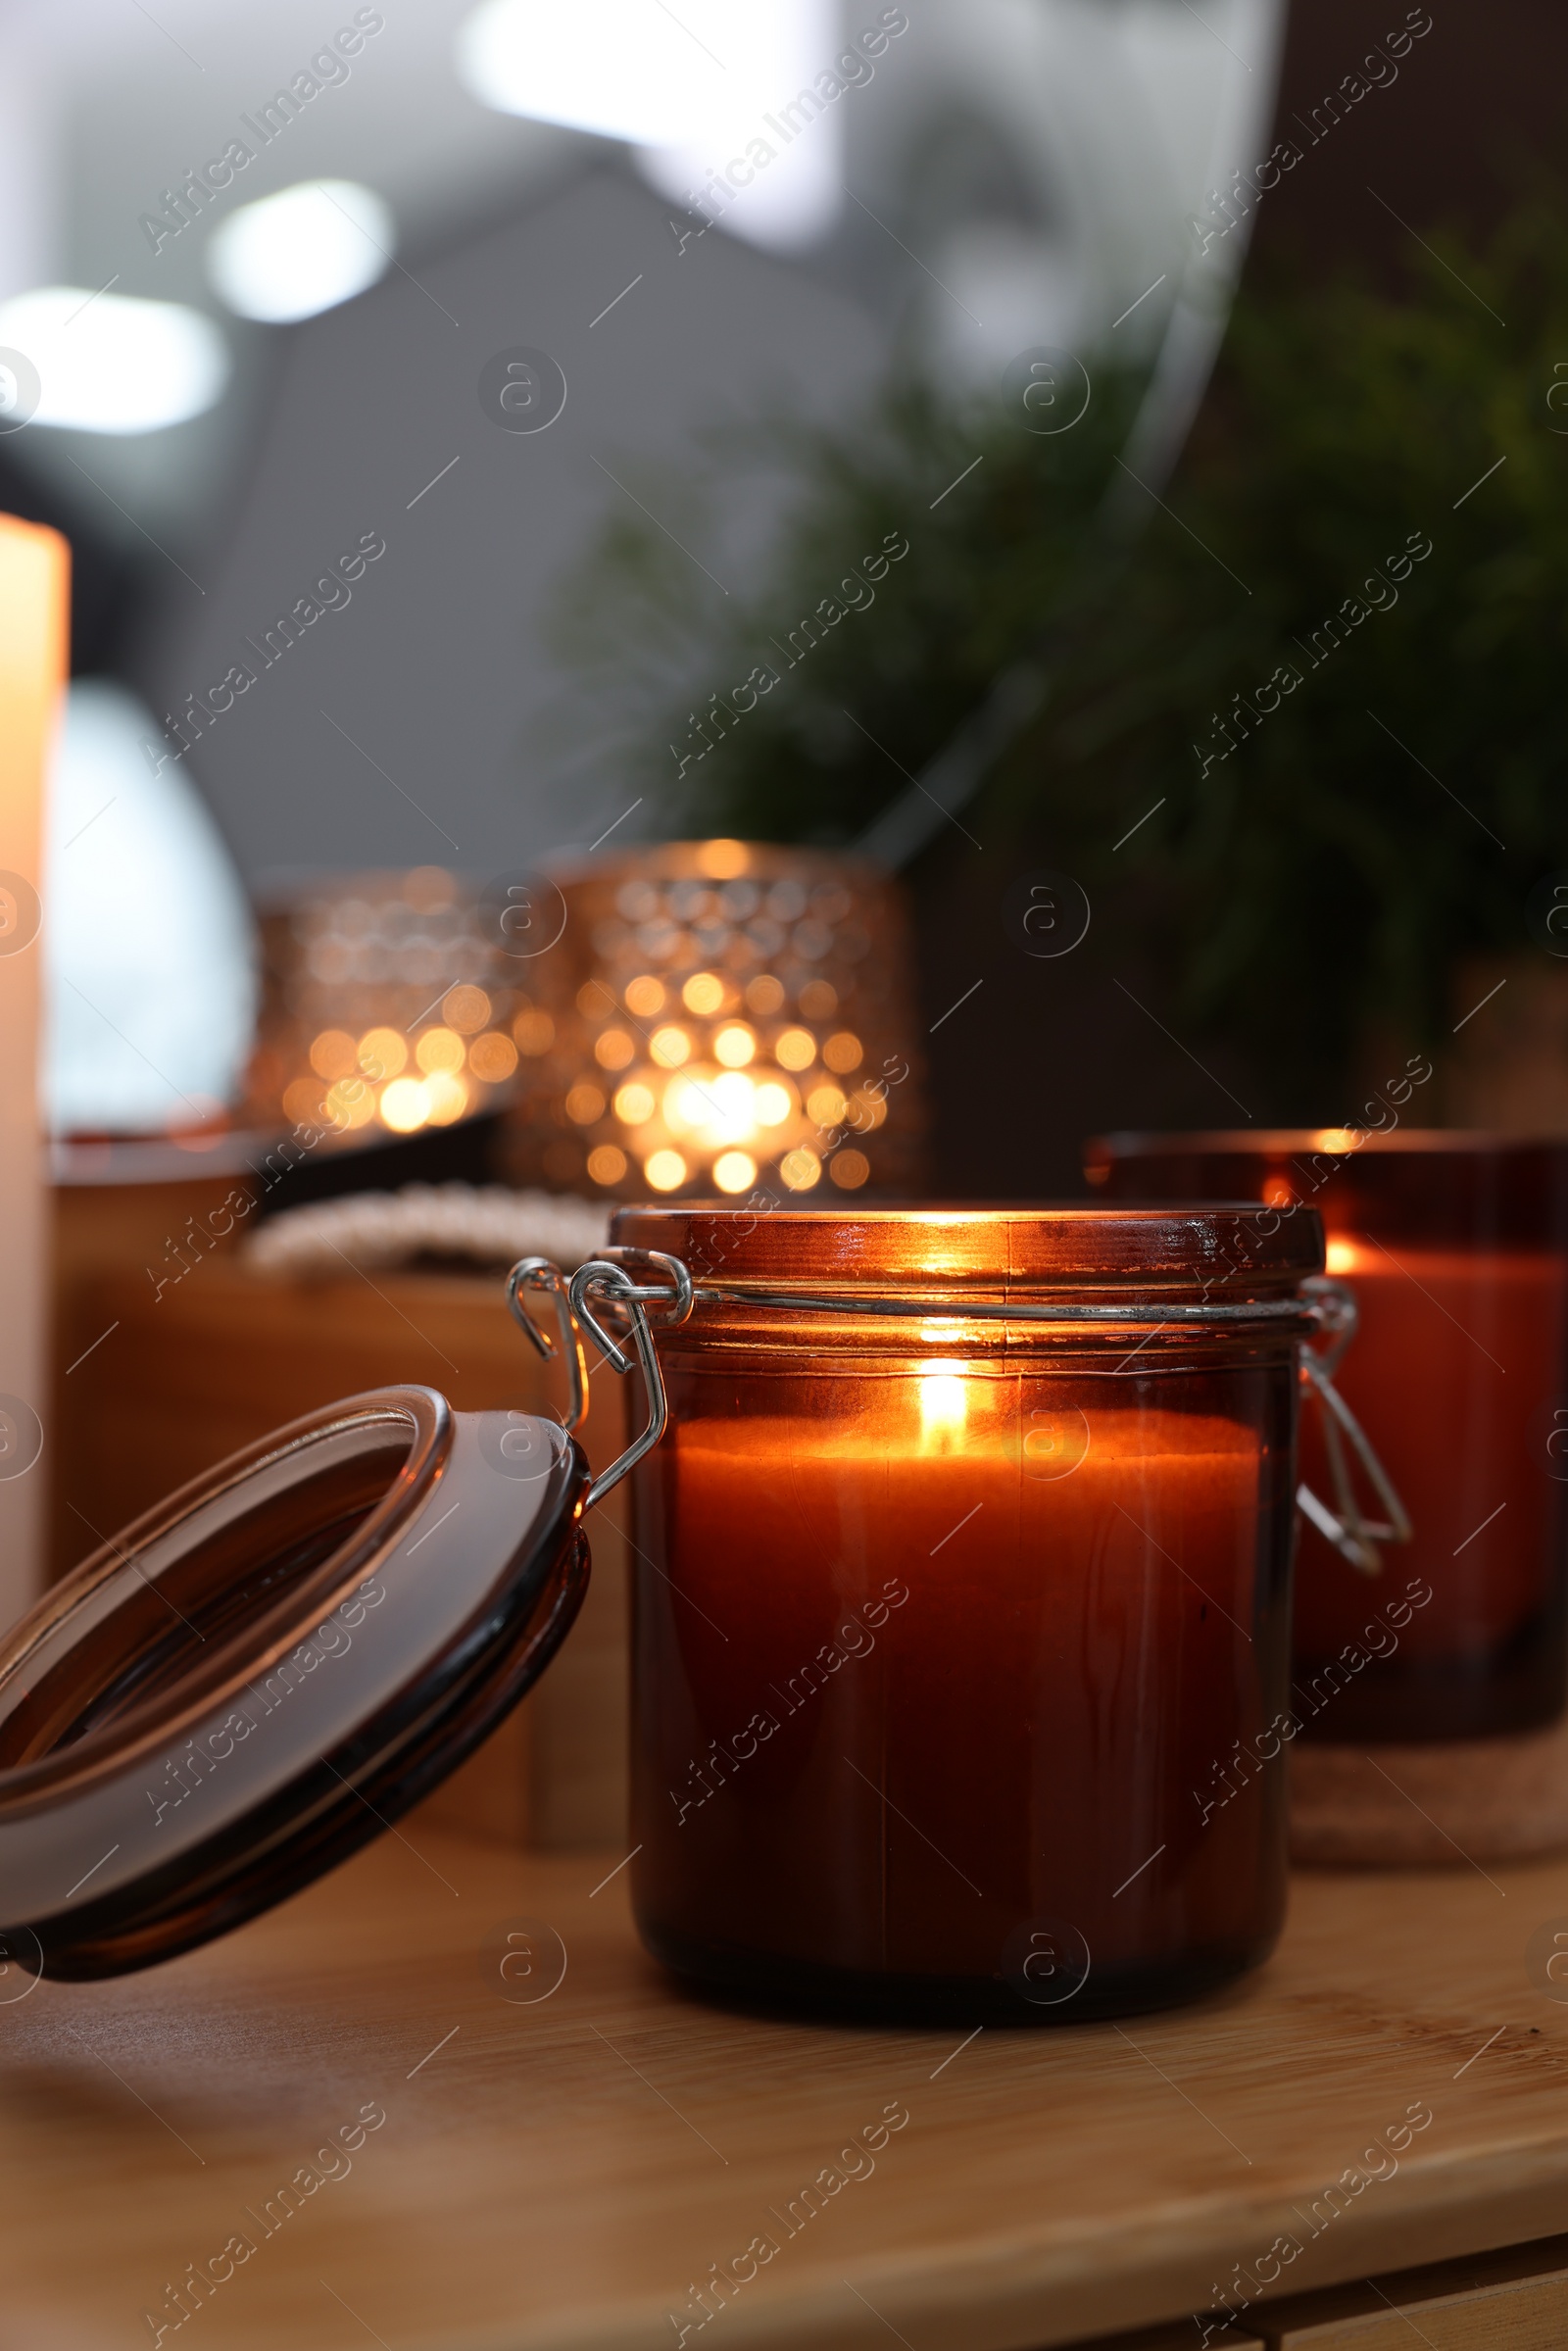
column 438, row 668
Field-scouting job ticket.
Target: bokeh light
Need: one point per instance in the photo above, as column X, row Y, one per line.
column 671, row 1046
column 439, row 1049
column 843, row 1052
column 735, row 1045
column 383, row 1052
column 112, row 362
column 734, row 1097
column 688, row 1105
column 615, row 1049
column 645, row 995
column 534, row 1033
column 796, row 1048
column 635, row 1104
column 703, row 992
column 302, row 250
column 723, row 861
column 350, row 1104
column 334, row 1053
column 466, row 1008
column 446, row 1095
column 405, row 1106
column 585, row 1104
column 492, row 1058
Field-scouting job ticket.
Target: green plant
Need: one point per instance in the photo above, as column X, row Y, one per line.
column 1319, row 866
column 1395, row 809
column 995, row 522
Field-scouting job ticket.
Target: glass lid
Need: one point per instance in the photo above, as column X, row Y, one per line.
column 259, row 1675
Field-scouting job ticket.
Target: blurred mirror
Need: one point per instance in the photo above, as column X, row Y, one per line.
column 263, row 273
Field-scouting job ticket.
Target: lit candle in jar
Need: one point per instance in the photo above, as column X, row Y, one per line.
column 934, row 1651
column 1455, row 1248
column 1456, row 1353
column 975, row 1693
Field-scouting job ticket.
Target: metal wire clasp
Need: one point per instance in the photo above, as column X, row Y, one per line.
column 1354, row 1537
column 605, row 1298
column 606, row 1283
column 542, row 1273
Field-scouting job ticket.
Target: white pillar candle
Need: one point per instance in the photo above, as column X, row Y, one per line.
column 34, row 635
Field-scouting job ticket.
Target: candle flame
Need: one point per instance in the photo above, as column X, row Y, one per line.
column 944, row 1407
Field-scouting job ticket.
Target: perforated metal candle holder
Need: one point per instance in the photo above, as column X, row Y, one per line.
column 713, row 1016
column 389, row 1009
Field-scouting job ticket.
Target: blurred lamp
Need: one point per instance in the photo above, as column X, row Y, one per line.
column 109, row 363
column 617, row 67
column 693, row 89
column 302, row 251
column 148, row 936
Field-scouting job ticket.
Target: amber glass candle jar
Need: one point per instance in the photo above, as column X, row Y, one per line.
column 952, row 1591
column 1455, row 1247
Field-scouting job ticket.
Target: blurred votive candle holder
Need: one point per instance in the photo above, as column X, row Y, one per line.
column 389, row 1007
column 708, row 1015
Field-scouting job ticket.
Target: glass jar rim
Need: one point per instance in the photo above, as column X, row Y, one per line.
column 693, row 860
column 1345, row 1142
column 1434, row 1187
column 1244, row 1249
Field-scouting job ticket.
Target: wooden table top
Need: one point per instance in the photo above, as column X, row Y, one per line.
column 563, row 2172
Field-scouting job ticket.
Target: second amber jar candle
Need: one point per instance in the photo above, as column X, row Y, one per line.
column 944, row 1625
column 1455, row 1247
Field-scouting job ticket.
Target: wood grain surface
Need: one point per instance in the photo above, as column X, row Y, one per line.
column 1528, row 2314
column 558, row 2174
column 1518, row 2299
